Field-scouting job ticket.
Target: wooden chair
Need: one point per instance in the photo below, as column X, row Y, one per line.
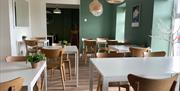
column 12, row 85
column 54, row 61
column 102, row 44
column 155, row 54
column 138, row 52
column 66, row 60
column 112, row 42
column 111, row 84
column 90, row 48
column 148, row 84
column 15, row 58
column 31, row 46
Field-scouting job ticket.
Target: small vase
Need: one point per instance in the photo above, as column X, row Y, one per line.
column 35, row 65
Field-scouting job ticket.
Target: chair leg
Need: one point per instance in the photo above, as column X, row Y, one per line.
column 38, row 84
column 127, row 88
column 62, row 77
column 70, row 77
column 64, row 71
column 99, row 84
column 85, row 59
column 42, row 82
column 52, row 73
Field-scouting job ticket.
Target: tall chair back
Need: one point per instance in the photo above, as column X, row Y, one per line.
column 112, row 42
column 90, row 48
column 146, row 84
column 137, row 52
column 15, row 58
column 31, row 46
column 155, row 54
column 12, row 85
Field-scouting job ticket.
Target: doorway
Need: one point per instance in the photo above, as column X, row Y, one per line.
column 63, row 23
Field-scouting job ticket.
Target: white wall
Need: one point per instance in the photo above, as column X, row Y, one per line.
column 72, row 2
column 5, row 23
column 38, row 18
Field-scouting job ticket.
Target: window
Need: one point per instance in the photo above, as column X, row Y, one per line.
column 177, row 27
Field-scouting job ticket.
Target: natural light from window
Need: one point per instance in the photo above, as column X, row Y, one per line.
column 178, row 7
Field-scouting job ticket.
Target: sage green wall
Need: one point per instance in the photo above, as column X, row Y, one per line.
column 140, row 34
column 161, row 23
column 101, row 26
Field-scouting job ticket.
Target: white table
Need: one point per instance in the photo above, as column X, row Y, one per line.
column 12, row 70
column 70, row 50
column 74, row 50
column 117, row 69
column 122, row 48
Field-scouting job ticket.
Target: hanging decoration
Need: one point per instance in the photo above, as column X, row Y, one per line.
column 96, row 8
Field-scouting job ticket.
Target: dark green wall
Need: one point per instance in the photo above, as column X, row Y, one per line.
column 101, row 26
column 62, row 24
column 139, row 35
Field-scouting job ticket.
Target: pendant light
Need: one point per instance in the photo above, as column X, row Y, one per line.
column 57, row 11
column 115, row 1
column 96, row 8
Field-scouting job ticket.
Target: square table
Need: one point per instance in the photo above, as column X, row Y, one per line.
column 12, row 70
column 117, row 69
column 74, row 50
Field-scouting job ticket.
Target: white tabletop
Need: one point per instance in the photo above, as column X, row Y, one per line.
column 12, row 70
column 122, row 48
column 117, row 69
column 70, row 49
column 112, row 67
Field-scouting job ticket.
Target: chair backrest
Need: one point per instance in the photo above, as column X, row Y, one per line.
column 137, row 52
column 51, row 53
column 15, row 58
column 112, row 42
column 146, row 84
column 12, row 85
column 155, row 54
column 31, row 46
column 90, row 46
column 106, row 55
column 31, row 42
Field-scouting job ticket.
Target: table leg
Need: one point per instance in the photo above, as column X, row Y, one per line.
column 30, row 88
column 105, row 84
column 45, row 79
column 77, row 69
column 75, row 63
column 90, row 76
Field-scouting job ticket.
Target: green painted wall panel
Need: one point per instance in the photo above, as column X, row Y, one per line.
column 139, row 34
column 101, row 26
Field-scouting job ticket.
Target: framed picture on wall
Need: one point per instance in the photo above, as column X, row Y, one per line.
column 135, row 16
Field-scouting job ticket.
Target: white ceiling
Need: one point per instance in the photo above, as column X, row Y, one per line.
column 68, row 2
column 62, row 6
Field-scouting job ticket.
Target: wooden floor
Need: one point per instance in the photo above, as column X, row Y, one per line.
column 56, row 85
